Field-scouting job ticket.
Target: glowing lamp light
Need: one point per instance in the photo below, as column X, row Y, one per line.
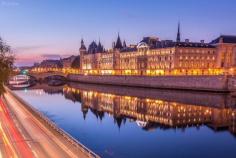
column 25, row 72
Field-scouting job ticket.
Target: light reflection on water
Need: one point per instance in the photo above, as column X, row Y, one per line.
column 134, row 122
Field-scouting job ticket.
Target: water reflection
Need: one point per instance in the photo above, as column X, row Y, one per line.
column 129, row 122
column 153, row 113
column 152, row 109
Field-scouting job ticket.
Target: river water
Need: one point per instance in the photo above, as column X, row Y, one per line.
column 128, row 122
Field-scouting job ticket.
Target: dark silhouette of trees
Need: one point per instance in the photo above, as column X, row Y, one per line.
column 6, row 62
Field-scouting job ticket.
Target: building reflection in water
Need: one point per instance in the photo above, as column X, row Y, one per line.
column 152, row 113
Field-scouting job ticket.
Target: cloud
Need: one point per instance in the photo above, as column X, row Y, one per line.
column 27, row 59
column 50, row 56
column 30, row 59
column 28, row 48
column 9, row 3
column 29, row 54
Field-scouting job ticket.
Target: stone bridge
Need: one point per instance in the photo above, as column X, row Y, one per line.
column 43, row 75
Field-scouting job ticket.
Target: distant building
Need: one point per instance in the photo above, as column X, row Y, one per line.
column 153, row 56
column 50, row 64
column 68, row 61
column 36, row 64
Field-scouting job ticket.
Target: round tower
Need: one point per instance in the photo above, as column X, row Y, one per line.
column 82, row 51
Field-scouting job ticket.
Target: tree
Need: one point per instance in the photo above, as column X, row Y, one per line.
column 6, row 62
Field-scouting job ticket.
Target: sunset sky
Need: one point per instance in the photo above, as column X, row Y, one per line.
column 40, row 29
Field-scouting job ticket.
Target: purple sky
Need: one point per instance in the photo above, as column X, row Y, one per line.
column 42, row 29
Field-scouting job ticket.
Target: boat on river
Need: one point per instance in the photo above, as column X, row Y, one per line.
column 20, row 81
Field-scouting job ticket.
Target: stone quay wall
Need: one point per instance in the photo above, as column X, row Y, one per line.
column 203, row 83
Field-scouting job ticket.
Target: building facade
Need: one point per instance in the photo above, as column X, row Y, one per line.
column 153, row 56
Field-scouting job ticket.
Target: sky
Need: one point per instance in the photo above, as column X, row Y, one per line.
column 41, row 29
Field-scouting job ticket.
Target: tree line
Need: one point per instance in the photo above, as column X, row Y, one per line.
column 6, row 62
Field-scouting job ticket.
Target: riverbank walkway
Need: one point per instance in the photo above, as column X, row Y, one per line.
column 25, row 134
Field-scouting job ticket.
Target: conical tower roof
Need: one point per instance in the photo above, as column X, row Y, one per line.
column 178, row 34
column 82, row 45
column 118, row 43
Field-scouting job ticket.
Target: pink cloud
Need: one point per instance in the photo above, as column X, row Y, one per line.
column 27, row 59
column 28, row 55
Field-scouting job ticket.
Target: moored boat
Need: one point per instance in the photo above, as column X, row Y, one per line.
column 20, row 81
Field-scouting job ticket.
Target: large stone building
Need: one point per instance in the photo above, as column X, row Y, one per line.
column 153, row 56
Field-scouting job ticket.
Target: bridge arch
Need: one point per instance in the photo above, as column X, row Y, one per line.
column 44, row 75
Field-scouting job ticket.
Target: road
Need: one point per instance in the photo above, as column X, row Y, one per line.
column 23, row 135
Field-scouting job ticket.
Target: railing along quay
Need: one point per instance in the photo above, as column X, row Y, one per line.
column 67, row 136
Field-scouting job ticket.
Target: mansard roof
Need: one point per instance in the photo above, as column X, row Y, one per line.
column 92, row 47
column 194, row 44
column 225, row 39
column 170, row 43
column 164, row 44
column 167, row 44
column 151, row 41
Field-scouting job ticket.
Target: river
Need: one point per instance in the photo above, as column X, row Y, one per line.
column 124, row 122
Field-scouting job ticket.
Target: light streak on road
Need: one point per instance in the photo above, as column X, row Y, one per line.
column 14, row 142
column 8, row 146
column 26, row 126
